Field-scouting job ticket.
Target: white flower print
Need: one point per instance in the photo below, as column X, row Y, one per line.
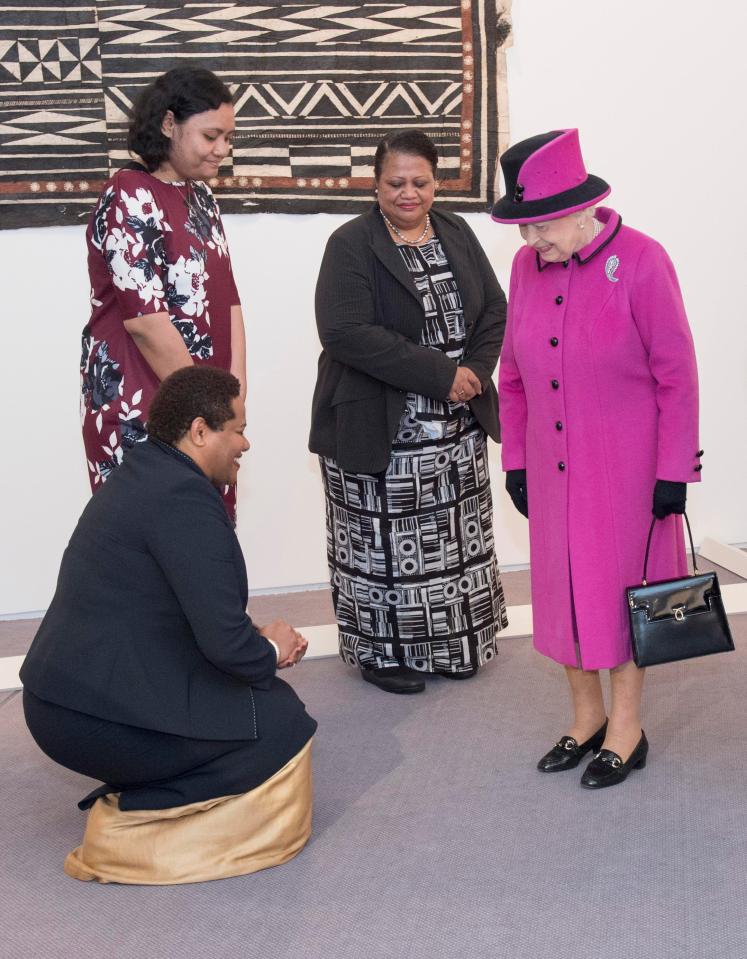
column 219, row 240
column 134, row 248
column 186, row 284
column 129, row 273
column 144, row 207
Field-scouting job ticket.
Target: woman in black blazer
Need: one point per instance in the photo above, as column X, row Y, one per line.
column 411, row 320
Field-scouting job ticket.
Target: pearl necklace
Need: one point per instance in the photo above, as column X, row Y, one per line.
column 598, row 227
column 401, row 235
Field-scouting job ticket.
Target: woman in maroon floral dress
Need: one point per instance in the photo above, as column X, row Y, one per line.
column 163, row 294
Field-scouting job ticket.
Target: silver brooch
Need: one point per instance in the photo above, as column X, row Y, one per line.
column 610, row 267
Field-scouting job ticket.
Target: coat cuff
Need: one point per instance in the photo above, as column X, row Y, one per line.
column 679, row 471
column 514, row 460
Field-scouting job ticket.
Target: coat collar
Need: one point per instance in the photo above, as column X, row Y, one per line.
column 386, row 250
column 448, row 232
column 177, row 454
column 612, row 223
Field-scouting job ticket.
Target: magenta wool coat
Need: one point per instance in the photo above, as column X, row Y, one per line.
column 598, row 399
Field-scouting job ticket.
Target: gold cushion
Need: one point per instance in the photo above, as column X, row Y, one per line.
column 214, row 839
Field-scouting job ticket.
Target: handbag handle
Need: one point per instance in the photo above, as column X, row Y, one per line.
column 648, row 547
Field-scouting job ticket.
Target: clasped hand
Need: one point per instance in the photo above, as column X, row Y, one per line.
column 465, row 387
column 291, row 644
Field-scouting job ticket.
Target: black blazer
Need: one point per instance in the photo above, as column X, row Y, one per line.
column 148, row 625
column 370, row 317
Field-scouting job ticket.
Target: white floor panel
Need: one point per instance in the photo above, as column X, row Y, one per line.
column 323, row 639
column 735, row 598
column 724, row 555
column 9, row 669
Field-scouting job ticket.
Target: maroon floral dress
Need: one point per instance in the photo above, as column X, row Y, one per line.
column 152, row 247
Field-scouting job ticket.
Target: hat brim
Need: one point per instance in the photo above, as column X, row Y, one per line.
column 591, row 191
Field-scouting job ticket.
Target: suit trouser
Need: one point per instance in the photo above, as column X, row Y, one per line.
column 155, row 770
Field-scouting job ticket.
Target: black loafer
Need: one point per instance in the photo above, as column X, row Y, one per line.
column 567, row 753
column 395, row 679
column 608, row 769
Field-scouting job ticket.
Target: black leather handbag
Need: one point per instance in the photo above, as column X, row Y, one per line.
column 677, row 618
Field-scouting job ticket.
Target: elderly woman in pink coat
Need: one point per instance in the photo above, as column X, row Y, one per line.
column 599, row 419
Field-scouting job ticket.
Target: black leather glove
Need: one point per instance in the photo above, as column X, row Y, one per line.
column 669, row 498
column 516, row 485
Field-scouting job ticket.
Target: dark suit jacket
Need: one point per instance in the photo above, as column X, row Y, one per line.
column 370, row 316
column 148, row 625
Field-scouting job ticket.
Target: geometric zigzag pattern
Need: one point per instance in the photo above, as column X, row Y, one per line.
column 315, row 88
column 66, row 60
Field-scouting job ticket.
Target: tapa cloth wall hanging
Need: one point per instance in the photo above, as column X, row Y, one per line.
column 316, row 86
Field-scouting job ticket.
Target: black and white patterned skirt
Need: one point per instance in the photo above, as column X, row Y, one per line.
column 412, row 561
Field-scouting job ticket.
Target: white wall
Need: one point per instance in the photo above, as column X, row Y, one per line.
column 656, row 89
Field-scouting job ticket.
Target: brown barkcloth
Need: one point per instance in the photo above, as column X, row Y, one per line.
column 315, row 88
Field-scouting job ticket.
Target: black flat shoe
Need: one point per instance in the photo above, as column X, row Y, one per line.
column 463, row 674
column 608, row 769
column 567, row 753
column 395, row 679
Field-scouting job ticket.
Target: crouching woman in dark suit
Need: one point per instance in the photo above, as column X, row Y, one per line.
column 148, row 674
column 410, row 318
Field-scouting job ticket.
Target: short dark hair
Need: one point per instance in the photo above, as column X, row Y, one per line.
column 413, row 142
column 190, row 392
column 185, row 91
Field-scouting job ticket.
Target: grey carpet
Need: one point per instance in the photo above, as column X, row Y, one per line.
column 433, row 834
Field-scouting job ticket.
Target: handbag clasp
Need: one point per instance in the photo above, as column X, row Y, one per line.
column 679, row 614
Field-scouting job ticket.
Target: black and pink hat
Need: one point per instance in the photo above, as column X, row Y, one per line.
column 545, row 179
